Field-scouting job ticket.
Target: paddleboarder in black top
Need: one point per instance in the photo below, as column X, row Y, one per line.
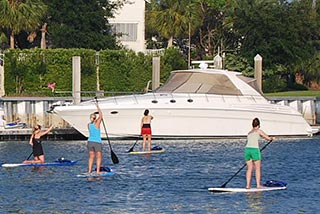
column 35, row 142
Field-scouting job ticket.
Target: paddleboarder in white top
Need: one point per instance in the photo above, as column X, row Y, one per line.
column 253, row 154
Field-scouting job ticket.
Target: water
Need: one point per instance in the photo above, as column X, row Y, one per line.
column 172, row 182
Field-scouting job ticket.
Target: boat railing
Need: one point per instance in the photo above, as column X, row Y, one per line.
column 156, row 97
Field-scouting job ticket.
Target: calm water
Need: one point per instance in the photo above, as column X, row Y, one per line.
column 172, row 182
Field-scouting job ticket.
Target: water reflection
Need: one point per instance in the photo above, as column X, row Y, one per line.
column 255, row 202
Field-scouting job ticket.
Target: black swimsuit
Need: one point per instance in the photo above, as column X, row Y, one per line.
column 37, row 147
column 146, row 125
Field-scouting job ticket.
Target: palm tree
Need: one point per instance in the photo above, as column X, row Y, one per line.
column 172, row 18
column 18, row 15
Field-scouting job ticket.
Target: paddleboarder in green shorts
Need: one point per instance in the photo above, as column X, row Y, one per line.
column 253, row 154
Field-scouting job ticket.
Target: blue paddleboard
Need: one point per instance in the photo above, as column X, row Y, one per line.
column 57, row 163
column 94, row 174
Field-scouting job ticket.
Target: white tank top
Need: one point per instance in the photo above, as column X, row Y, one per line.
column 253, row 140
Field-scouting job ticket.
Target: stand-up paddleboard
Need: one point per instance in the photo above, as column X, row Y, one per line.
column 221, row 189
column 267, row 186
column 95, row 175
column 147, row 152
column 154, row 150
column 57, row 163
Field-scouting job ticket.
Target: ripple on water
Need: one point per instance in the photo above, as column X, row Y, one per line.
column 173, row 182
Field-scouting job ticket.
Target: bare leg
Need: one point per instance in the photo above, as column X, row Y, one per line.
column 144, row 142
column 37, row 159
column 90, row 161
column 41, row 158
column 149, row 142
column 257, row 166
column 249, row 173
column 99, row 161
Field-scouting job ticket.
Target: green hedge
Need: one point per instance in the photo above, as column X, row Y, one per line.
column 28, row 71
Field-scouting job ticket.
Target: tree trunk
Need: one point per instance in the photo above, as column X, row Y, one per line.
column 12, row 40
column 43, row 36
column 170, row 42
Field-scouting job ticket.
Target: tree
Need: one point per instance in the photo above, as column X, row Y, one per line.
column 277, row 31
column 80, row 24
column 171, row 19
column 18, row 15
column 216, row 32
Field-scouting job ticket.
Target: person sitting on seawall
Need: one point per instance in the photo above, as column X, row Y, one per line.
column 35, row 142
column 146, row 130
column 253, row 154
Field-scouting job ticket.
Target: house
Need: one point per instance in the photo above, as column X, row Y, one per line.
column 130, row 22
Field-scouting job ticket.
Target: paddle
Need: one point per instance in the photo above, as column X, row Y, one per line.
column 30, row 155
column 114, row 157
column 224, row 185
column 131, row 150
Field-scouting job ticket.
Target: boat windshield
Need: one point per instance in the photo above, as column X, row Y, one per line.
column 201, row 83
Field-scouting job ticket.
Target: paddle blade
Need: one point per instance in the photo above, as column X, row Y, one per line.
column 130, row 150
column 223, row 185
column 114, row 158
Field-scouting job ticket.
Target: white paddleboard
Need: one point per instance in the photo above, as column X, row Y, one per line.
column 221, row 189
column 147, row 152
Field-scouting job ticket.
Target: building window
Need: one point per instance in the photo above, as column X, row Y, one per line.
column 128, row 31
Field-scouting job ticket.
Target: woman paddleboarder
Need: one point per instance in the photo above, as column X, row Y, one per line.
column 94, row 141
column 253, row 154
column 35, row 142
column 146, row 130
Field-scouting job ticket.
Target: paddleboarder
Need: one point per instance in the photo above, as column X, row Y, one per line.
column 35, row 142
column 253, row 154
column 94, row 141
column 146, row 130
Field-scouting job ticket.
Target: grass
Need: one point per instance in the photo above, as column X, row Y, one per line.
column 294, row 94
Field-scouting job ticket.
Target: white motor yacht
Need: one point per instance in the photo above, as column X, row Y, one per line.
column 197, row 103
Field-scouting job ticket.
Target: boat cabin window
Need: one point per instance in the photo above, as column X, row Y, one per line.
column 202, row 83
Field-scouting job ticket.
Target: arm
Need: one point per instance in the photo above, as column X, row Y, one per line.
column 265, row 136
column 100, row 118
column 46, row 131
column 30, row 141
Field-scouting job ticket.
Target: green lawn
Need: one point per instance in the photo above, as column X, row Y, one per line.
column 294, row 94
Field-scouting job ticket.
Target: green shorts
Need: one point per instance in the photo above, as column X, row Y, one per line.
column 252, row 154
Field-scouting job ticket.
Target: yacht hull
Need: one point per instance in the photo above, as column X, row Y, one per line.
column 182, row 119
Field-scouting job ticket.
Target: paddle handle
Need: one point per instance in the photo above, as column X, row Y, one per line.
column 30, row 155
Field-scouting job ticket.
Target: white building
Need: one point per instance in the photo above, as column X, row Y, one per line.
column 130, row 22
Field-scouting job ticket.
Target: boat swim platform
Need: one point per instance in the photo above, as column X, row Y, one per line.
column 16, row 134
